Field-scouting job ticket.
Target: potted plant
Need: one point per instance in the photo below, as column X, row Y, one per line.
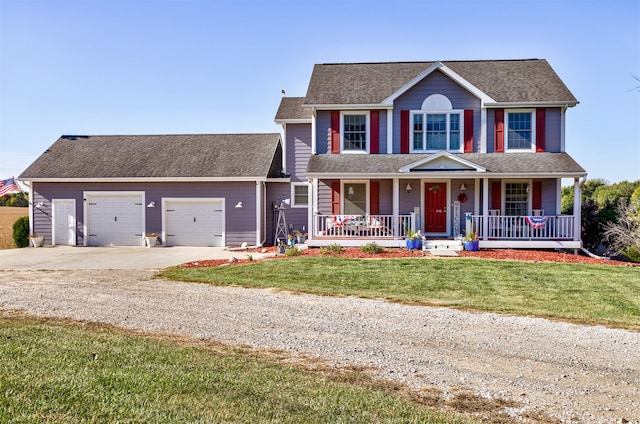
column 471, row 242
column 414, row 240
column 150, row 239
column 281, row 247
column 300, row 237
column 36, row 240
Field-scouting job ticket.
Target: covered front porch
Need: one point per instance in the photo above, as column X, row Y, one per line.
column 444, row 209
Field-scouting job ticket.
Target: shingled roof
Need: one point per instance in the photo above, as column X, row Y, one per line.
column 559, row 164
column 291, row 109
column 527, row 80
column 200, row 156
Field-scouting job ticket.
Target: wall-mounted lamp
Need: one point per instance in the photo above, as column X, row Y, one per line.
column 151, row 204
column 239, row 205
column 408, row 188
column 350, row 190
column 39, row 205
column 463, row 187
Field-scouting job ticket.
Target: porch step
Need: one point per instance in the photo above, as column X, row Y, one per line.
column 455, row 245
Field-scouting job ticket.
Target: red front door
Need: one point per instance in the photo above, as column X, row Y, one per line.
column 435, row 195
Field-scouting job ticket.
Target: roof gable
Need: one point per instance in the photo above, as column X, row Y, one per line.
column 202, row 156
column 291, row 110
column 503, row 81
column 442, row 162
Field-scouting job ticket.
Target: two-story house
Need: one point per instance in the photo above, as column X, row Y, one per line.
column 372, row 152
column 400, row 147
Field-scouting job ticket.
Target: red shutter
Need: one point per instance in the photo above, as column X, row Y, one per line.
column 374, row 198
column 335, row 198
column 496, row 195
column 540, row 131
column 468, row 131
column 498, row 137
column 335, row 131
column 536, row 195
column 404, row 131
column 374, row 137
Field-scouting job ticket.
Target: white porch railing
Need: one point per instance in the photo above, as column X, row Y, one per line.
column 559, row 227
column 363, row 226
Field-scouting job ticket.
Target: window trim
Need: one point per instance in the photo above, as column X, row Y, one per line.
column 367, row 131
column 343, row 192
column 528, row 182
column 508, row 112
column 293, row 195
column 424, row 113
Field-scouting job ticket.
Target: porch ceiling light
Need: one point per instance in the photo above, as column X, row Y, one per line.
column 408, row 188
column 463, row 187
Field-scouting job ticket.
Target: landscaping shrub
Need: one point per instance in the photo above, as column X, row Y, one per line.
column 332, row 249
column 372, row 248
column 293, row 251
column 21, row 232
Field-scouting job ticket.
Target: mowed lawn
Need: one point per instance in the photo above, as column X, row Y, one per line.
column 60, row 372
column 9, row 215
column 583, row 293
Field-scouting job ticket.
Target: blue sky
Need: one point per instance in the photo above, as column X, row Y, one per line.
column 190, row 66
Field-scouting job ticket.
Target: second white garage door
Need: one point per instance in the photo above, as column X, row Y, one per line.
column 194, row 222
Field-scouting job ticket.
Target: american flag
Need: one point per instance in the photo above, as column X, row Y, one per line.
column 9, row 186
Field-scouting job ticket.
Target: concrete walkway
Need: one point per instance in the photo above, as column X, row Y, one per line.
column 73, row 258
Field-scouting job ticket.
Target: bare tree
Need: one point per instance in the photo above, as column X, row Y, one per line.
column 625, row 232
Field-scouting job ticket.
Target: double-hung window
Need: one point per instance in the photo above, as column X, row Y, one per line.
column 299, row 195
column 355, row 136
column 516, row 199
column 520, row 127
column 436, row 131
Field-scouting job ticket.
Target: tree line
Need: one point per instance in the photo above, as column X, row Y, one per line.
column 610, row 217
column 15, row 199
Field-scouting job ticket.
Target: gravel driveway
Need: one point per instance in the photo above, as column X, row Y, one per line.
column 571, row 372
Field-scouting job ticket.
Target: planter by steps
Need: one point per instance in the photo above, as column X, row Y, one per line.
column 471, row 245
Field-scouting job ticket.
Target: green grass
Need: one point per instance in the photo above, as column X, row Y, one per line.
column 594, row 294
column 54, row 371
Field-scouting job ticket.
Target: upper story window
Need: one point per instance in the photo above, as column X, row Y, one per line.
column 355, row 134
column 436, row 126
column 520, row 127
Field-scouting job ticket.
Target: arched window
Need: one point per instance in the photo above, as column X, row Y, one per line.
column 436, row 126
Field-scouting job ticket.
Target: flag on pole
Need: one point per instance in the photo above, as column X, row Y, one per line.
column 9, row 186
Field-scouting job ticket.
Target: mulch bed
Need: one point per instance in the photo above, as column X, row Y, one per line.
column 394, row 253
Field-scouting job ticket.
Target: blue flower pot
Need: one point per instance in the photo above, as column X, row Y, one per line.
column 472, row 245
column 413, row 244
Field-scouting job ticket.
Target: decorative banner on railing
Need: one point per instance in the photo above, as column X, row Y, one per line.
column 536, row 221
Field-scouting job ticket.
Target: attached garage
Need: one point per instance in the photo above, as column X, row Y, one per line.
column 193, row 221
column 114, row 218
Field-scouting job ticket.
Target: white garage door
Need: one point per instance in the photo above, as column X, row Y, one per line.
column 194, row 222
column 115, row 219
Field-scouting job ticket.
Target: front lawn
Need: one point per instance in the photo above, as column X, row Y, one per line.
column 60, row 372
column 593, row 294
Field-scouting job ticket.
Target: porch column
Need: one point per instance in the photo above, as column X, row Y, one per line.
column 396, row 206
column 311, row 207
column 577, row 209
column 485, row 208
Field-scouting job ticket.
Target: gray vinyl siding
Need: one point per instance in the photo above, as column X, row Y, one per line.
column 383, row 132
column 324, row 196
column 298, row 150
column 553, row 130
column 296, row 217
column 386, row 197
column 240, row 225
column 436, row 83
column 323, row 133
column 549, row 196
column 491, row 122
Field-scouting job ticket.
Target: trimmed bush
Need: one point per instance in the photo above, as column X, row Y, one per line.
column 332, row 249
column 372, row 248
column 21, row 232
